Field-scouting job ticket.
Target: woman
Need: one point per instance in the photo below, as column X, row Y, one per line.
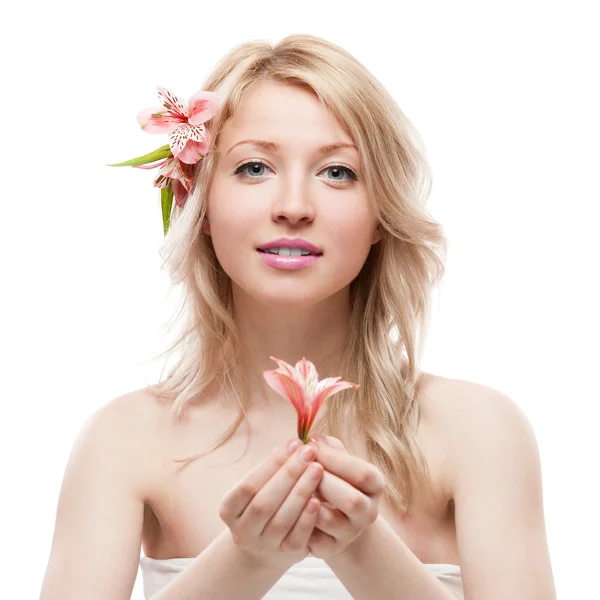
column 424, row 486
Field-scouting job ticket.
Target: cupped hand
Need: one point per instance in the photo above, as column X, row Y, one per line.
column 352, row 489
column 269, row 511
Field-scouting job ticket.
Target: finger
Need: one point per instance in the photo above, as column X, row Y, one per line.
column 359, row 508
column 237, row 498
column 333, row 522
column 357, row 472
column 283, row 520
column 300, row 533
column 328, row 439
column 321, row 544
column 272, row 495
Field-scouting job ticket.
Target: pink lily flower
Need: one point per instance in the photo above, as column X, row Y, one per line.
column 178, row 174
column 301, row 386
column 188, row 137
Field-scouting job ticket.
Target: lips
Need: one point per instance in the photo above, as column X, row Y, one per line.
column 278, row 261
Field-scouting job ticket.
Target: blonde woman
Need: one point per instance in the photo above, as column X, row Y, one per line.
column 418, row 486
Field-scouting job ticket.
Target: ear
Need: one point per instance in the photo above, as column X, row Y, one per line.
column 377, row 235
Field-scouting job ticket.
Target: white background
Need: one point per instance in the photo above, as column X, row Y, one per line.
column 505, row 96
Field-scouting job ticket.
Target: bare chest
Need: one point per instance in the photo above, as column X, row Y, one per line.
column 181, row 516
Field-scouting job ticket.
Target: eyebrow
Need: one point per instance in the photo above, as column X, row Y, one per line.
column 272, row 146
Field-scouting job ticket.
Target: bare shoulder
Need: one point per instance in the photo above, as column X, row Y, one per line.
column 466, row 415
column 135, row 412
column 135, row 422
column 106, row 481
column 461, row 400
column 494, row 478
column 122, row 408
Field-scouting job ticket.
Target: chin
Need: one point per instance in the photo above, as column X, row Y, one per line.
column 292, row 293
column 288, row 301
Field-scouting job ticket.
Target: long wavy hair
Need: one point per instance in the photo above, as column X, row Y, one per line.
column 390, row 298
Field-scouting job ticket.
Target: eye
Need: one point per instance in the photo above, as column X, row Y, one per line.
column 255, row 164
column 342, row 169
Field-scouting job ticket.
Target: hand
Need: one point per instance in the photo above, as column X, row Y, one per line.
column 351, row 488
column 267, row 512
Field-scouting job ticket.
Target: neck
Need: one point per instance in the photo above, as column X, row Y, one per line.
column 316, row 332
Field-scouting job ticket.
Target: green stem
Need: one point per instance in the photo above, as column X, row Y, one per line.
column 166, row 197
column 159, row 154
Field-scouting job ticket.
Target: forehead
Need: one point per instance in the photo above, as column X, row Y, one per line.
column 284, row 113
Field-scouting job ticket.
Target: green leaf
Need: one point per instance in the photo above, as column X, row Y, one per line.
column 159, row 154
column 166, row 200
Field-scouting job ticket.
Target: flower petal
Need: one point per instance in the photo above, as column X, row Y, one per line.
column 173, row 170
column 289, row 388
column 202, row 106
column 308, row 373
column 172, row 103
column 180, row 192
column 178, row 139
column 325, row 388
column 157, row 119
column 197, row 133
column 192, row 152
column 283, row 366
column 188, row 143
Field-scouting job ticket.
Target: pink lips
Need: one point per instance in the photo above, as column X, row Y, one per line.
column 288, row 262
column 291, row 243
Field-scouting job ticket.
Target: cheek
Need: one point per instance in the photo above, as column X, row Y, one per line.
column 233, row 223
column 350, row 232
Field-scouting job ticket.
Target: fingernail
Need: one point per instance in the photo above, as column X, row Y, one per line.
column 294, row 444
column 307, row 454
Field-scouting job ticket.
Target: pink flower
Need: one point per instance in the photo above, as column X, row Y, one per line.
column 188, row 137
column 301, row 386
column 178, row 174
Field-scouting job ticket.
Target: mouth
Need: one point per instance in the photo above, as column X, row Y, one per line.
column 287, row 261
column 289, row 255
column 294, row 246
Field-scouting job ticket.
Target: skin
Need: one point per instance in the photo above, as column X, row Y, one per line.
column 304, row 312
column 268, row 518
column 294, row 193
column 290, row 314
column 481, row 452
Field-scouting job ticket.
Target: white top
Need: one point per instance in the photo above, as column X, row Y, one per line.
column 309, row 578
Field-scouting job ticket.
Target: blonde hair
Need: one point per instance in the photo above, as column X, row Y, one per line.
column 390, row 298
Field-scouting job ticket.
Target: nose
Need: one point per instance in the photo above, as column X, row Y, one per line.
column 294, row 202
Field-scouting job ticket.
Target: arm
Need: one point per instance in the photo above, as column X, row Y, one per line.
column 380, row 565
column 222, row 572
column 499, row 511
column 364, row 552
column 98, row 527
column 97, row 537
column 496, row 484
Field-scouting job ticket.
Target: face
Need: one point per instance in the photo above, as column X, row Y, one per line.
column 260, row 194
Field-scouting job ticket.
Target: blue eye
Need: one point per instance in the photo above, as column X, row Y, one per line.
column 255, row 163
column 342, row 169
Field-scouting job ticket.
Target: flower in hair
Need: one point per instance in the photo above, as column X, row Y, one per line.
column 189, row 141
column 188, row 137
column 301, row 386
column 173, row 173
